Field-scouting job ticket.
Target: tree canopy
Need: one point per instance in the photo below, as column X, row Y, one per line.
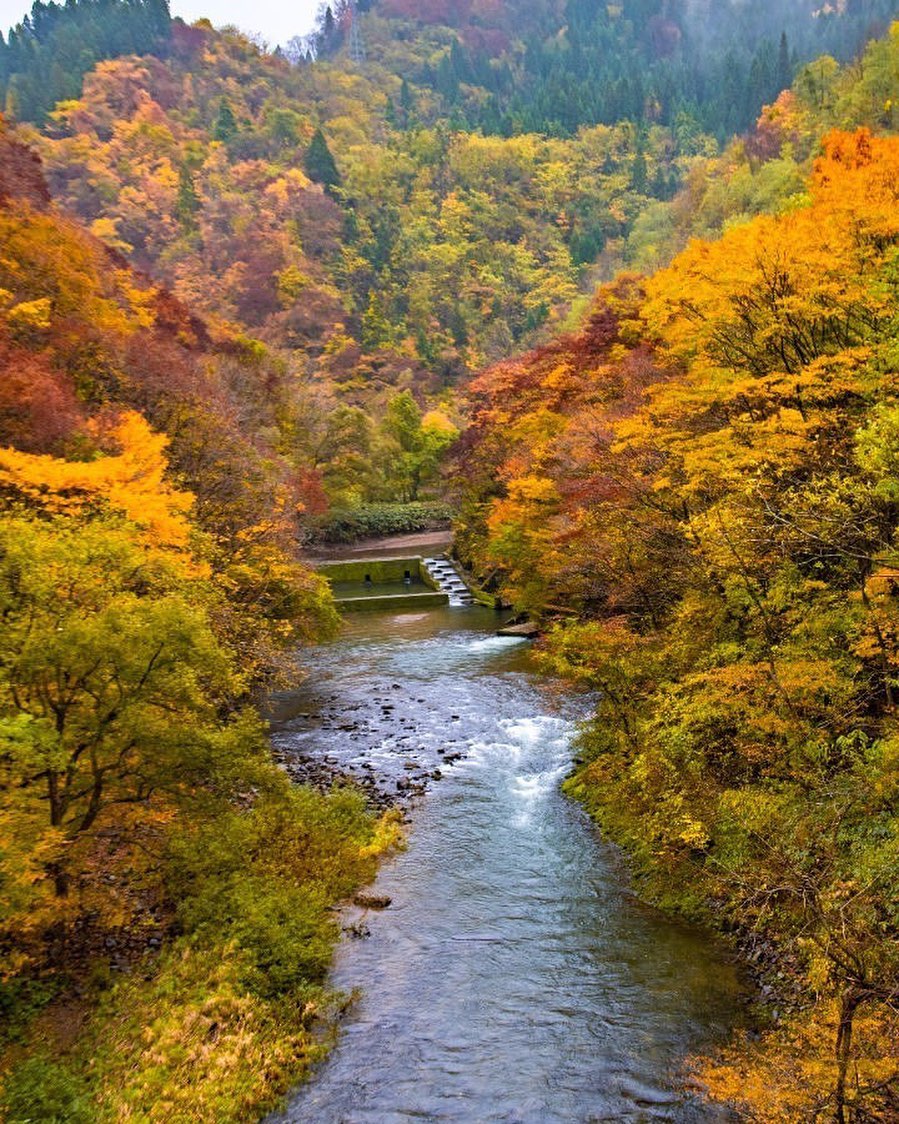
column 699, row 486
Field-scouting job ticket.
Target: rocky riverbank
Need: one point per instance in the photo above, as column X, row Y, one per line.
column 375, row 748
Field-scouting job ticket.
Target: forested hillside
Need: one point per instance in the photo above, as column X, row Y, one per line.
column 698, row 488
column 353, row 222
column 149, row 589
column 44, row 58
column 384, row 253
column 248, row 297
column 394, row 274
column 558, row 65
column 546, row 66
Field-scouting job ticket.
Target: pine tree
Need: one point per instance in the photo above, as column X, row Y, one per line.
column 638, row 173
column 407, row 103
column 784, row 64
column 320, row 166
column 225, row 128
column 188, row 202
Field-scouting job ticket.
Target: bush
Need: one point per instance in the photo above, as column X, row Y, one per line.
column 223, row 1027
column 265, row 879
column 39, row 1091
column 376, row 519
column 21, row 999
column 192, row 1044
column 286, row 934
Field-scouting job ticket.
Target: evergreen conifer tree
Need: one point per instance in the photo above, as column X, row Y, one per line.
column 225, row 123
column 320, row 166
column 188, row 202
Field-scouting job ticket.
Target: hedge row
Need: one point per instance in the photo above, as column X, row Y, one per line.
column 376, row 519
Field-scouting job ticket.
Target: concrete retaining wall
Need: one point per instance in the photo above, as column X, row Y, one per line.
column 395, row 602
column 377, row 570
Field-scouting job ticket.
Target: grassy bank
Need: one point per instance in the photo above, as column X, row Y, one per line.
column 227, row 1016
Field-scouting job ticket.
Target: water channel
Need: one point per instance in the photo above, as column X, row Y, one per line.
column 515, row 977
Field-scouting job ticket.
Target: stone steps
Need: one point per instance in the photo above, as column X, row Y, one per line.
column 450, row 581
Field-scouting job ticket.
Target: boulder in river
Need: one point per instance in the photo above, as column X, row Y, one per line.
column 372, row 901
column 526, row 630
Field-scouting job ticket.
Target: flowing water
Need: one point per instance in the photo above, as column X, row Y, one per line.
column 514, row 978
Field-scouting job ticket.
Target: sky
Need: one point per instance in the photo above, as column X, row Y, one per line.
column 277, row 21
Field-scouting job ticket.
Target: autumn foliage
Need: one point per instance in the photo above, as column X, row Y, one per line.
column 267, row 300
column 700, row 488
column 149, row 592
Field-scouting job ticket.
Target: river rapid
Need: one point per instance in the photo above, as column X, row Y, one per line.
column 515, row 977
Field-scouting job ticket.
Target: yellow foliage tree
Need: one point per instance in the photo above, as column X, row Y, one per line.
column 131, row 482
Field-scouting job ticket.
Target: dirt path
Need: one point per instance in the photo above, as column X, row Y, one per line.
column 426, row 543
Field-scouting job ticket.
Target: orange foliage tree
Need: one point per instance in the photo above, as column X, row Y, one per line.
column 713, row 508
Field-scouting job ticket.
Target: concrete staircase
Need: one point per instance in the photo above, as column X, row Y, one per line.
column 450, row 581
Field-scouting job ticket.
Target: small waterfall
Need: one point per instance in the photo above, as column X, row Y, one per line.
column 450, row 580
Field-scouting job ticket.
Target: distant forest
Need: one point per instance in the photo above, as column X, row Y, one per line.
column 708, row 66
column 45, row 57
column 501, row 69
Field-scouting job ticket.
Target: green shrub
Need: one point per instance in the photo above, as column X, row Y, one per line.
column 264, row 880
column 221, row 1029
column 373, row 520
column 39, row 1091
column 286, row 934
column 20, row 1000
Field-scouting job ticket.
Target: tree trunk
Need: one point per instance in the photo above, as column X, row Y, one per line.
column 60, row 879
column 851, row 1001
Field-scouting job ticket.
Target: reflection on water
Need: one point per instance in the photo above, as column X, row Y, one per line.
column 514, row 978
column 343, row 590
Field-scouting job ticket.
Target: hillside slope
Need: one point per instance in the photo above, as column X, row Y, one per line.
column 700, row 487
column 267, row 287
column 159, row 875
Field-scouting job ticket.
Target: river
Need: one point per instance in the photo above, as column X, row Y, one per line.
column 515, row 977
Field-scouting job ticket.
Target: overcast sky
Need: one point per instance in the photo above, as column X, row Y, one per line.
column 276, row 21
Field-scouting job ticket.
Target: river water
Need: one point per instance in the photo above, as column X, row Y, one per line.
column 514, row 978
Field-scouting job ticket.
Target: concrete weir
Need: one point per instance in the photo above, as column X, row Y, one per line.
column 368, row 584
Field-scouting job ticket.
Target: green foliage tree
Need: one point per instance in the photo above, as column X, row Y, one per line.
column 111, row 689
column 415, row 445
column 188, row 202
column 320, row 165
column 225, row 128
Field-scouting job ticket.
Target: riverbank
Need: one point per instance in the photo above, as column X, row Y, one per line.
column 213, row 1012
